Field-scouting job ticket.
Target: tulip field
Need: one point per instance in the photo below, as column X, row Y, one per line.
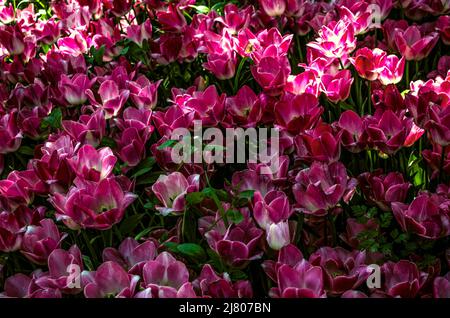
column 98, row 99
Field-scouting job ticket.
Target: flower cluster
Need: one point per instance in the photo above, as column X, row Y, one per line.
column 92, row 202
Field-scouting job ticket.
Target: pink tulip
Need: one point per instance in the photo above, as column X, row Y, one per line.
column 392, row 71
column 271, row 73
column 91, row 164
column 245, row 108
column 111, row 96
column 238, row 245
column 131, row 255
column 92, row 205
column 384, row 189
column 272, row 208
column 298, row 113
column 337, row 87
column 235, row 18
column 60, row 264
column 88, row 129
column 143, row 93
column 53, row 167
column 165, row 277
column 319, row 188
column 343, row 270
column 212, row 285
column 352, row 134
column 336, row 40
column 172, row 189
column 23, row 286
column 221, row 55
column 172, row 19
column 208, row 105
column 414, row 45
column 369, row 63
column 12, row 39
column 441, row 287
column 172, row 118
column 318, row 144
column 7, row 14
column 402, row 279
column 73, row 89
column 110, row 279
column 389, row 132
column 40, row 240
column 425, row 216
column 300, row 281
column 140, row 33
column 278, row 235
column 443, row 25
column 10, row 135
column 273, row 8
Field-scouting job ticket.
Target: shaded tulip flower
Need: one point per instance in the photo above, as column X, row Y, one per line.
column 212, row 285
column 172, row 189
column 23, row 286
column 109, row 280
column 389, row 132
column 319, row 188
column 53, row 167
column 402, row 279
column 297, row 113
column 92, row 205
column 382, row 190
column 343, row 270
column 300, row 281
column 92, row 164
column 73, row 89
column 88, row 129
column 414, row 45
column 438, row 124
column 238, row 245
column 165, row 277
column 433, row 157
column 245, row 108
column 426, row 216
column 352, row 133
column 40, row 240
column 10, row 135
column 20, row 188
column 318, row 144
column 441, row 287
column 131, row 255
column 63, row 272
column 443, row 25
column 352, row 236
column 11, row 232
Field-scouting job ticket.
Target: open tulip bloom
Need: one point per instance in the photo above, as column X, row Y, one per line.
column 225, row 149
